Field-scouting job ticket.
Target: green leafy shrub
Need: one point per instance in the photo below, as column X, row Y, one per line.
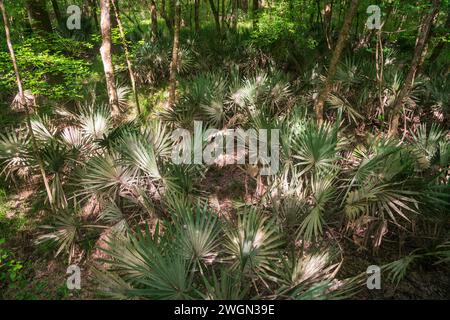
column 49, row 67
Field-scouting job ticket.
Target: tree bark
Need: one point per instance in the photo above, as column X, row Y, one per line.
column 255, row 9
column 172, row 10
column 441, row 45
column 223, row 15
column 244, row 5
column 419, row 55
column 105, row 51
column 154, row 18
column 167, row 20
column 24, row 104
column 39, row 17
column 93, row 4
column 234, row 14
column 215, row 14
column 197, row 15
column 327, row 19
column 57, row 12
column 174, row 63
column 127, row 57
column 342, row 40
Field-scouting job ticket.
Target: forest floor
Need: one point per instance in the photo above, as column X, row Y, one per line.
column 42, row 276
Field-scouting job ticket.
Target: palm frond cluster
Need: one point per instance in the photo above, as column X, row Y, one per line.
column 166, row 240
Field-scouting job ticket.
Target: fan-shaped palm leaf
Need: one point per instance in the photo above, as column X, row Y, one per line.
column 254, row 243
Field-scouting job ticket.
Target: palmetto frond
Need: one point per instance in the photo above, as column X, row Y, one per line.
column 253, row 244
column 316, row 149
column 112, row 285
column 150, row 266
column 137, row 153
column 228, row 286
column 186, row 60
column 197, row 234
column 427, row 144
column 307, row 269
column 262, row 89
column 322, row 192
column 443, row 252
column 215, row 113
column 66, row 230
column 349, row 72
column 152, row 61
column 15, row 155
column 104, row 175
column 397, row 269
column 168, row 279
column 183, row 179
column 310, row 276
column 122, row 95
column 381, row 183
column 114, row 215
column 42, row 129
column 95, row 122
column 72, row 137
column 158, row 134
column 370, row 160
column 344, row 106
column 384, row 201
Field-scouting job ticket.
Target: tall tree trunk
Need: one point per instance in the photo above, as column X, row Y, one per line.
column 419, row 55
column 244, row 5
column 38, row 14
column 57, row 12
column 24, row 103
column 216, row 14
column 172, row 10
column 223, row 15
column 167, row 20
column 154, row 17
column 255, row 9
column 105, row 51
column 174, row 63
column 93, row 4
column 127, row 56
column 342, row 40
column 197, row 15
column 328, row 13
column 234, row 14
column 441, row 45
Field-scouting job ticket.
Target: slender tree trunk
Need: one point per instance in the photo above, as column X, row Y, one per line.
column 197, row 15
column 234, row 14
column 244, row 5
column 342, row 40
column 441, row 45
column 24, row 104
column 167, row 20
column 154, row 17
column 223, row 15
column 174, row 63
column 190, row 14
column 328, row 13
column 255, row 9
column 216, row 14
column 172, row 10
column 57, row 12
column 93, row 4
column 419, row 55
column 105, row 51
column 39, row 17
column 127, row 56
